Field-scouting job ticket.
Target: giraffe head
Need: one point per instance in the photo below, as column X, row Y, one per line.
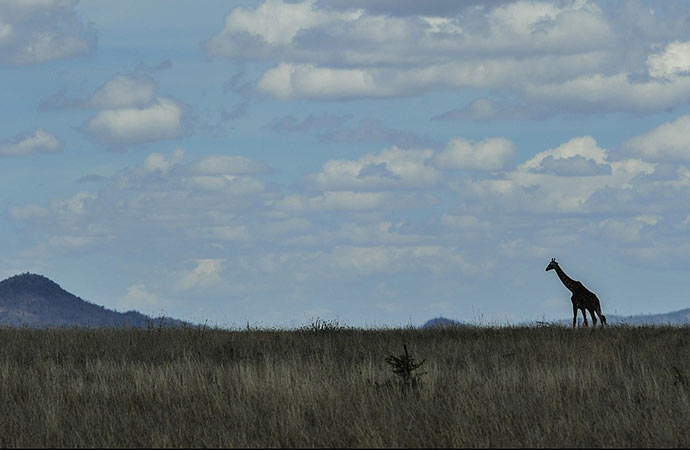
column 552, row 265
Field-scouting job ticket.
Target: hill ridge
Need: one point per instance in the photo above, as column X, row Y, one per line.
column 30, row 299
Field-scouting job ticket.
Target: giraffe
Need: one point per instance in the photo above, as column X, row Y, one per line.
column 583, row 299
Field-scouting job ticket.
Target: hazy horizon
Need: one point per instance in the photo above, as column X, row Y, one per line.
column 375, row 163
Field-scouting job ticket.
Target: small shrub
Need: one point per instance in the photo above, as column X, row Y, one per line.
column 318, row 324
column 404, row 367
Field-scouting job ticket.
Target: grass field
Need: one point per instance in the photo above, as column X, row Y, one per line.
column 328, row 386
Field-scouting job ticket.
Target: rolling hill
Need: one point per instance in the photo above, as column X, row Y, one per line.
column 36, row 301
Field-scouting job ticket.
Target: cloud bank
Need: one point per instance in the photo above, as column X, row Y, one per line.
column 569, row 55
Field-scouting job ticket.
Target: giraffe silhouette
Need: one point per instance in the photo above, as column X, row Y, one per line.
column 583, row 299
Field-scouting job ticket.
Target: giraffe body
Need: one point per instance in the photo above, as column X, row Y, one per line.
column 583, row 299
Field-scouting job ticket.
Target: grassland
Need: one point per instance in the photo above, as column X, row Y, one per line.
column 327, row 386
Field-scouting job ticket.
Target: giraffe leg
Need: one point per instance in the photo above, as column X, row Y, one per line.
column 601, row 316
column 574, row 316
column 584, row 316
column 594, row 319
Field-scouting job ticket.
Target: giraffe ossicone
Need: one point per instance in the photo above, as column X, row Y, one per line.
column 583, row 299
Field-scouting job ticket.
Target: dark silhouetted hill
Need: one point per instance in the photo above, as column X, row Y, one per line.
column 36, row 301
column 443, row 322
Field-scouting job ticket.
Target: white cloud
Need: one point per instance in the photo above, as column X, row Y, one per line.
column 72, row 206
column 274, row 23
column 602, row 93
column 39, row 31
column 573, row 166
column 572, row 55
column 558, row 180
column 161, row 163
column 584, row 146
column 147, row 203
column 489, row 154
column 205, row 275
column 630, row 229
column 139, row 298
column 391, row 168
column 580, row 156
column 123, row 92
column 667, row 142
column 674, row 60
column 37, row 142
column 287, row 81
column 161, row 120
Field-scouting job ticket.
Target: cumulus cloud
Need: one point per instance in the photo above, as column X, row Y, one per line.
column 671, row 62
column 618, row 92
column 585, row 147
column 667, row 142
column 39, row 141
column 573, row 166
column 139, row 298
column 123, row 92
column 158, row 162
column 128, row 111
column 287, row 81
column 578, row 157
column 205, row 275
column 274, row 23
column 391, row 168
column 570, row 178
column 163, row 194
column 160, row 120
column 489, row 154
column 568, row 55
column 34, row 32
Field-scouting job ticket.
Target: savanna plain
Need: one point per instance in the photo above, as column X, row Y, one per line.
column 328, row 385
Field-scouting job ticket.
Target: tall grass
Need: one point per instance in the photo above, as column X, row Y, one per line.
column 331, row 386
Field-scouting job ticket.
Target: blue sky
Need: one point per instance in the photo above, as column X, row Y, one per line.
column 378, row 163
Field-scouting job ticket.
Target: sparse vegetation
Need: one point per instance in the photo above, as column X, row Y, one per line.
column 483, row 387
column 404, row 366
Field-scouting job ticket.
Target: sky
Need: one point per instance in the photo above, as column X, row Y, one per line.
column 374, row 163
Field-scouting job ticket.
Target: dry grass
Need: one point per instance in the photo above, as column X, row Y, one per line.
column 331, row 386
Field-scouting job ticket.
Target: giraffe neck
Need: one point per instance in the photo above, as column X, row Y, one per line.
column 565, row 279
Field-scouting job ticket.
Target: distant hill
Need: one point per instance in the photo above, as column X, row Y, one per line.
column 443, row 322
column 36, row 301
column 681, row 317
column 678, row 318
